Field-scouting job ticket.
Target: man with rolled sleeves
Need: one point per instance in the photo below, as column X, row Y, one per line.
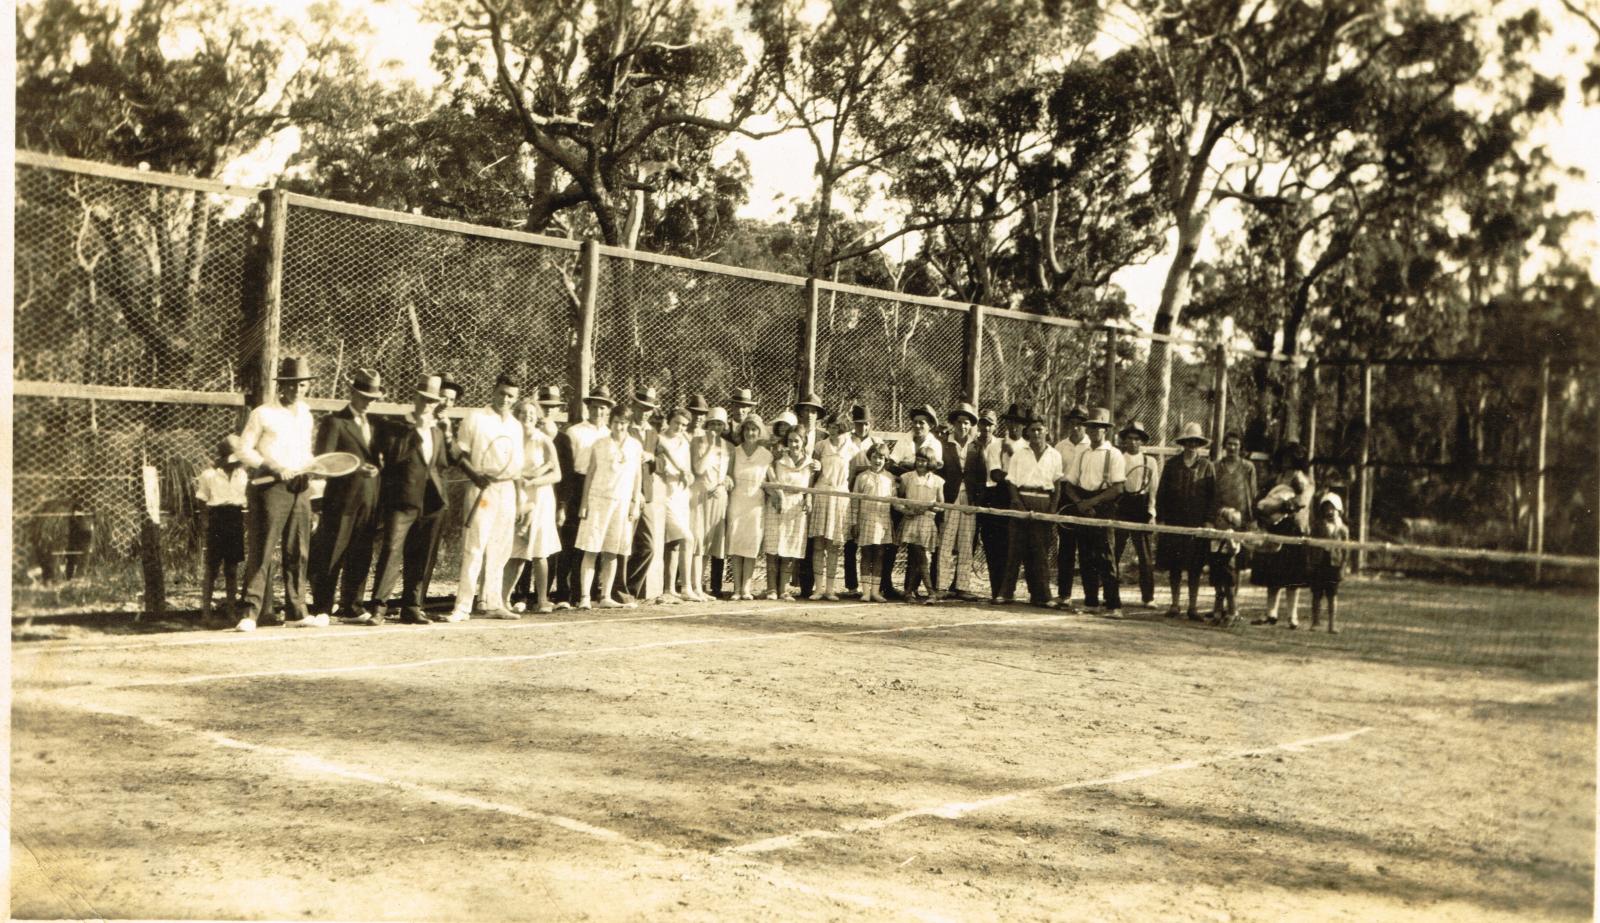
column 276, row 443
column 574, row 450
column 342, row 542
column 964, row 476
column 1093, row 493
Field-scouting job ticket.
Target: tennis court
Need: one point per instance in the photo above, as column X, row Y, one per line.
column 820, row 761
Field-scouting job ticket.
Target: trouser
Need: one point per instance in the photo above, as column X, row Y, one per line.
column 1030, row 542
column 995, row 533
column 957, row 540
column 851, row 581
column 1143, row 546
column 277, row 517
column 642, row 554
column 341, row 554
column 1099, row 571
column 803, row 575
column 485, row 546
column 1067, row 560
column 716, row 577
column 405, row 543
column 569, row 563
column 886, row 568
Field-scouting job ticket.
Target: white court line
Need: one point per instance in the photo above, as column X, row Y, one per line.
column 957, row 809
column 550, row 655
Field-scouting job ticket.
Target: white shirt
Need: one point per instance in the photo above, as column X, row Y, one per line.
column 1099, row 468
column 426, row 434
column 583, row 436
column 1142, row 474
column 277, row 434
column 1070, row 453
column 905, row 450
column 219, row 488
column 476, row 437
column 994, row 454
column 1034, row 472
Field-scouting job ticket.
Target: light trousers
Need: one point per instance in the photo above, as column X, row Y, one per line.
column 486, row 546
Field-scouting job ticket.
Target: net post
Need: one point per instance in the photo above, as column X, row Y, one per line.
column 972, row 358
column 808, row 338
column 1311, row 413
column 1111, row 371
column 1219, row 409
column 580, row 363
column 1538, row 492
column 1364, row 512
column 275, row 225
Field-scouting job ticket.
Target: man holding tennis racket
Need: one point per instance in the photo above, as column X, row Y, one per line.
column 490, row 445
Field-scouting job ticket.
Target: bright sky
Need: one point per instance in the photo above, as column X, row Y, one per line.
column 782, row 165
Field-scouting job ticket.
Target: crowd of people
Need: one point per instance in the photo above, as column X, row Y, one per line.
column 560, row 510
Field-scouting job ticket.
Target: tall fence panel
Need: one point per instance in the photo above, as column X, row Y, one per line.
column 1047, row 366
column 887, row 354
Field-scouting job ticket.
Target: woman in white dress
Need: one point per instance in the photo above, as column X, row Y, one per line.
column 708, row 498
column 536, row 537
column 612, row 499
column 830, row 516
column 746, row 500
column 675, row 470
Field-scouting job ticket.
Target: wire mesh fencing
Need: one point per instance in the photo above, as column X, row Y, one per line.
column 1146, row 368
column 888, row 355
column 406, row 299
column 121, row 282
column 1047, row 367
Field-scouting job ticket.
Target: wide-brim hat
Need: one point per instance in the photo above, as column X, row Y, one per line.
column 743, row 397
column 1136, row 429
column 367, row 383
column 697, row 404
column 860, row 414
column 550, row 396
column 294, row 368
column 1099, row 416
column 449, row 380
column 1077, row 413
column 965, row 409
column 431, row 388
column 599, row 394
column 1192, row 433
column 1014, row 414
column 925, row 411
column 646, row 397
column 811, row 400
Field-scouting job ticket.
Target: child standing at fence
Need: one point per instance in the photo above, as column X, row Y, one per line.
column 222, row 489
column 830, row 515
column 1327, row 564
column 919, row 530
column 870, row 523
column 784, row 531
column 1223, row 562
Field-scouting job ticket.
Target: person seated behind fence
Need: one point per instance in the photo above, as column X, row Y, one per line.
column 919, row 530
column 870, row 524
column 1222, row 559
column 221, row 488
column 784, row 526
column 1326, row 565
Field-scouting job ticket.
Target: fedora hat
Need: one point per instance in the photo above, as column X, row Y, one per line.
column 646, row 397
column 429, row 388
column 811, row 400
column 965, row 409
column 1099, row 416
column 1136, row 429
column 1023, row 413
column 599, row 394
column 368, row 383
column 860, row 414
column 743, row 397
column 550, row 396
column 1014, row 414
column 925, row 411
column 1077, row 413
column 697, row 404
column 294, row 368
column 448, row 380
column 1192, row 433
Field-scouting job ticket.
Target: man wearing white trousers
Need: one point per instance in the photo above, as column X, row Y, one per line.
column 490, row 445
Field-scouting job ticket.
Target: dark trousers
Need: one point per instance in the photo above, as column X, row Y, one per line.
column 405, row 544
column 1143, row 546
column 1030, row 542
column 886, row 563
column 639, row 560
column 341, row 547
column 995, row 533
column 715, row 589
column 1099, row 571
column 852, row 580
column 570, row 562
column 1067, row 559
column 802, row 571
column 277, row 518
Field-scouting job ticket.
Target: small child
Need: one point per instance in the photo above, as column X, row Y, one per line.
column 1224, row 567
column 919, row 532
column 1326, row 565
column 222, row 489
column 870, row 522
column 784, row 529
column 830, row 515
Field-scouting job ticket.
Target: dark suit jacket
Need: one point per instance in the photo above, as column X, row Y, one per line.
column 354, row 492
column 409, row 481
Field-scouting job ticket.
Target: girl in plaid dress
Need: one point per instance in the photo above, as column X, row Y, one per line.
column 870, row 523
column 830, row 516
column 918, row 530
column 784, row 526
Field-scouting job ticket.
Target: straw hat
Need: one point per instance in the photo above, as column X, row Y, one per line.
column 1099, row 416
column 743, row 397
column 963, row 409
column 599, row 394
column 1192, row 433
column 926, row 411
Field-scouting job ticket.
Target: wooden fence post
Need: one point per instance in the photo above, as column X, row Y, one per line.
column 1311, row 415
column 972, row 361
column 1219, row 410
column 1364, row 511
column 1111, row 371
column 1538, row 491
column 808, row 338
column 275, row 221
column 580, row 364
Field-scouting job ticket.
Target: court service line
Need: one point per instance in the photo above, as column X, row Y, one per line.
column 552, row 655
column 957, row 809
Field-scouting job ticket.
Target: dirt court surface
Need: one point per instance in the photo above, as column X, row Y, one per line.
column 804, row 761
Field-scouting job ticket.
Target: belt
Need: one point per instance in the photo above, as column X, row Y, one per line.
column 1037, row 491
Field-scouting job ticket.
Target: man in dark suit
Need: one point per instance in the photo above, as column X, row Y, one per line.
column 342, row 543
column 411, row 500
column 456, row 493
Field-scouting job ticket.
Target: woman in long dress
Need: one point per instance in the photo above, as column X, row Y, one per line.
column 749, row 466
column 830, row 516
column 536, row 537
column 1286, row 509
column 612, row 500
column 675, row 469
column 708, row 498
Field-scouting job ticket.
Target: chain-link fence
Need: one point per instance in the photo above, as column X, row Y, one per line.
column 1046, row 366
column 888, row 355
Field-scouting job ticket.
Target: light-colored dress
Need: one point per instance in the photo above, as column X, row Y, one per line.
column 539, row 538
column 746, row 501
column 921, row 528
column 870, row 518
column 830, row 516
column 708, row 498
column 784, row 532
column 674, row 471
column 613, row 480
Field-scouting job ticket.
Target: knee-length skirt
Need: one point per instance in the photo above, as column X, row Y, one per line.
column 784, row 534
column 920, row 529
column 539, row 538
column 677, row 526
column 708, row 513
column 606, row 530
column 1283, row 565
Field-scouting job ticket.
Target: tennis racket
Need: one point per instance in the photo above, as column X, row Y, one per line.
column 327, row 465
column 496, row 464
